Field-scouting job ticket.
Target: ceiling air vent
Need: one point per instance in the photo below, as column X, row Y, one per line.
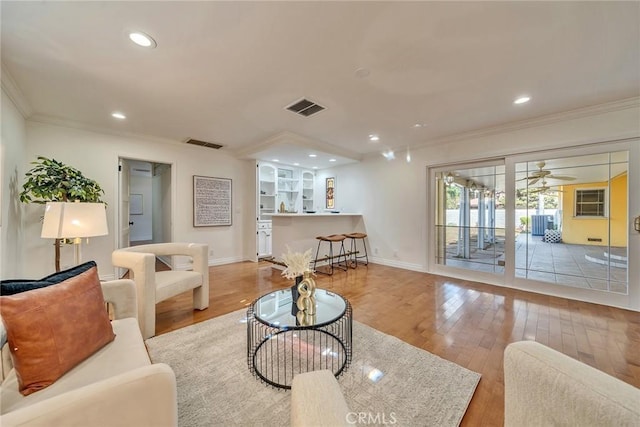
column 204, row 143
column 305, row 108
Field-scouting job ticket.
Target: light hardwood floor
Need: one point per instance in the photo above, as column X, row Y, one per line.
column 465, row 322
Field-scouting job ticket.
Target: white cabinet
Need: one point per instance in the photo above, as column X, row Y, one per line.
column 264, row 238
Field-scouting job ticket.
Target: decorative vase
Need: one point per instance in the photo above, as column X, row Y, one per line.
column 295, row 295
column 306, row 301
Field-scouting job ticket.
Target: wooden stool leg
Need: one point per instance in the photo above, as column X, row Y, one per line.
column 329, row 266
column 315, row 260
column 343, row 254
column 353, row 259
column 366, row 255
column 331, row 257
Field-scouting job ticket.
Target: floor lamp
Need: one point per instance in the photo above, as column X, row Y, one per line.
column 63, row 220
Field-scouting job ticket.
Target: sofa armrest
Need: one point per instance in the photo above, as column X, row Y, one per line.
column 122, row 295
column 316, row 399
column 142, row 397
column 546, row 387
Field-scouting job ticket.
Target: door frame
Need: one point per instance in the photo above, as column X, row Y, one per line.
column 173, row 192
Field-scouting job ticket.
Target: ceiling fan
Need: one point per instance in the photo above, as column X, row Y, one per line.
column 547, row 190
column 542, row 173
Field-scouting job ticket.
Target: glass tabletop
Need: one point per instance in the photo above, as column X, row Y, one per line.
column 276, row 309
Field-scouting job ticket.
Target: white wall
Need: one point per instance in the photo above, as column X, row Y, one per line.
column 96, row 155
column 392, row 195
column 12, row 168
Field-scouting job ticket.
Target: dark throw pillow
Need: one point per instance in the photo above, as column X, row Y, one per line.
column 15, row 286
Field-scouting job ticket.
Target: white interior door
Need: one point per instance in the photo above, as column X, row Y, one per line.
column 123, row 207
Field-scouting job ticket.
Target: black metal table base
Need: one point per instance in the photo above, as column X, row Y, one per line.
column 276, row 354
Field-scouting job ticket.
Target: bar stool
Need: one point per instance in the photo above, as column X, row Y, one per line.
column 341, row 253
column 353, row 248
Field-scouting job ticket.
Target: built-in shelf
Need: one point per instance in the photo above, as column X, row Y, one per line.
column 280, row 186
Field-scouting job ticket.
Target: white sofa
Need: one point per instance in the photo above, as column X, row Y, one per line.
column 153, row 287
column 543, row 387
column 316, row 400
column 116, row 386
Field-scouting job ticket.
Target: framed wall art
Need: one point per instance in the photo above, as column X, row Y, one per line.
column 331, row 193
column 211, row 201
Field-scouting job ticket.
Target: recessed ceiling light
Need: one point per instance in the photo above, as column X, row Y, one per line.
column 522, row 100
column 296, row 164
column 389, row 155
column 313, row 155
column 332, row 160
column 142, row 39
column 419, row 125
column 275, row 160
column 315, row 167
column 118, row 115
column 374, row 138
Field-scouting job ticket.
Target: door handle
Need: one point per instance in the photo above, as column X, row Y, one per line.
column 130, row 222
column 636, row 224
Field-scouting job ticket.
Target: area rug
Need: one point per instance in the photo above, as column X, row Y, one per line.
column 389, row 381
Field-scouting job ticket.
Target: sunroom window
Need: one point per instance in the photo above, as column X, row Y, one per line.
column 591, row 202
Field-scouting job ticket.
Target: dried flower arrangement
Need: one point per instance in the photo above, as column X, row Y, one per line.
column 297, row 263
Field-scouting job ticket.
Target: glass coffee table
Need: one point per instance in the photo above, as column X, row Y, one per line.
column 279, row 347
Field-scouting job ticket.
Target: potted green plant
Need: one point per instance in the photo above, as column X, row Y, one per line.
column 53, row 181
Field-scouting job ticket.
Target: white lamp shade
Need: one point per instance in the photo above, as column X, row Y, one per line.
column 70, row 220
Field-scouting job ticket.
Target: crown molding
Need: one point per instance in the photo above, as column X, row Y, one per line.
column 57, row 121
column 14, row 93
column 589, row 111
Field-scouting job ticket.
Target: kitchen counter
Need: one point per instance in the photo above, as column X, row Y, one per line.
column 299, row 230
column 286, row 214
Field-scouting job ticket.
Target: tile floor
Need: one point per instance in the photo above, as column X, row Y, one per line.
column 582, row 266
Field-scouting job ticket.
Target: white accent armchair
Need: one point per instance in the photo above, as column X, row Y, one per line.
column 153, row 287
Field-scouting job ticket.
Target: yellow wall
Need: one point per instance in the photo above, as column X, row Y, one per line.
column 578, row 230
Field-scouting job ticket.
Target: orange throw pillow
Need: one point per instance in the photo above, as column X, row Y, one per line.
column 50, row 330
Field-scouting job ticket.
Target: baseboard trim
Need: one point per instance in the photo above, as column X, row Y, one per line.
column 374, row 260
column 398, row 264
column 212, row 262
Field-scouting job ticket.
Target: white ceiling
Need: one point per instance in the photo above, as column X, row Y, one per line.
column 224, row 71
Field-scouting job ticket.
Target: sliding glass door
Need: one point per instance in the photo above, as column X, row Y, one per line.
column 555, row 222
column 571, row 217
column 470, row 217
